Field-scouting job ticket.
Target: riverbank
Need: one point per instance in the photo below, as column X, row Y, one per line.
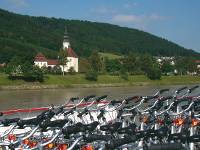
column 72, row 81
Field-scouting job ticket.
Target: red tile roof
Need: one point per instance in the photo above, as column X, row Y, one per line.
column 197, row 61
column 2, row 65
column 71, row 53
column 40, row 57
column 52, row 62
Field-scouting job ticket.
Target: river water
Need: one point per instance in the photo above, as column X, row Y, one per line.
column 14, row 99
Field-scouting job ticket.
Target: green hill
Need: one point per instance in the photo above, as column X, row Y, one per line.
column 110, row 55
column 24, row 35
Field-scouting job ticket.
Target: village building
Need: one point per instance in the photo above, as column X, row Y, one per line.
column 164, row 58
column 2, row 65
column 72, row 58
column 198, row 63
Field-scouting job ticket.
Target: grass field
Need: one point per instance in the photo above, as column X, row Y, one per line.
column 103, row 80
column 110, row 56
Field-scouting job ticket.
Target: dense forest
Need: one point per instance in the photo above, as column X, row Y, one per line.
column 24, row 36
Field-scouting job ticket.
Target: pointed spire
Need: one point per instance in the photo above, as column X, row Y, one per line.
column 66, row 37
column 66, row 42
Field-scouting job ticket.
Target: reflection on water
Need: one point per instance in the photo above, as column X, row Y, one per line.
column 38, row 98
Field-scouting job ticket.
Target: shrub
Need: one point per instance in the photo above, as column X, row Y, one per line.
column 56, row 70
column 154, row 73
column 71, row 71
column 45, row 70
column 36, row 74
column 123, row 74
column 91, row 75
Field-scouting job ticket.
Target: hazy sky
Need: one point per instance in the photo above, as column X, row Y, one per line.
column 175, row 20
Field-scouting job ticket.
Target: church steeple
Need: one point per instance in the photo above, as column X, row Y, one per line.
column 66, row 43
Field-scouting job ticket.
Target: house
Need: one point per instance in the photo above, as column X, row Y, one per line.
column 2, row 65
column 198, row 63
column 164, row 58
column 72, row 58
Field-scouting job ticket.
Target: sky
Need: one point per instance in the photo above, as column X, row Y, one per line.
column 175, row 20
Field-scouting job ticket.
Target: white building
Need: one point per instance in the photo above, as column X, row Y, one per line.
column 161, row 59
column 72, row 58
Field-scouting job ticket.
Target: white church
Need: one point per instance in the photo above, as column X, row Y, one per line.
column 72, row 58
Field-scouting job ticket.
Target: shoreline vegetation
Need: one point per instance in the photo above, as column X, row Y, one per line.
column 79, row 81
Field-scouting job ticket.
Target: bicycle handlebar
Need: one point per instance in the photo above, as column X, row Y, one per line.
column 178, row 91
column 192, row 89
column 165, row 98
column 74, row 98
column 82, row 113
column 98, row 99
column 171, row 146
column 188, row 108
column 96, row 137
column 89, row 97
column 7, row 122
column 163, row 91
column 131, row 98
column 73, row 129
column 32, row 121
column 56, row 123
column 150, row 98
column 114, row 143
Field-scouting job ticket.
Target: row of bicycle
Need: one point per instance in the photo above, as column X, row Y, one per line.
column 158, row 122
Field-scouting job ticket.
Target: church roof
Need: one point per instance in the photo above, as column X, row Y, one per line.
column 71, row 53
column 197, row 61
column 52, row 62
column 40, row 57
column 2, row 65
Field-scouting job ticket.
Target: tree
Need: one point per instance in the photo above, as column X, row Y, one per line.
column 167, row 67
column 129, row 63
column 84, row 65
column 32, row 73
column 2, row 69
column 12, row 66
column 123, row 74
column 63, row 60
column 151, row 67
column 112, row 65
column 190, row 64
column 37, row 74
column 146, row 62
column 45, row 70
column 91, row 75
column 71, row 71
column 22, row 38
column 28, row 72
column 56, row 70
column 185, row 64
column 154, row 73
column 95, row 61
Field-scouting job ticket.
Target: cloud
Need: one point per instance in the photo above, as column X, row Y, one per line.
column 104, row 10
column 139, row 21
column 130, row 5
column 157, row 17
column 18, row 3
column 137, row 18
column 127, row 18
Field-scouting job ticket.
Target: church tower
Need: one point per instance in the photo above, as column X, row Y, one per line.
column 66, row 43
column 72, row 58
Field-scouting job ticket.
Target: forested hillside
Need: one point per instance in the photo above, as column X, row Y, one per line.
column 25, row 35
